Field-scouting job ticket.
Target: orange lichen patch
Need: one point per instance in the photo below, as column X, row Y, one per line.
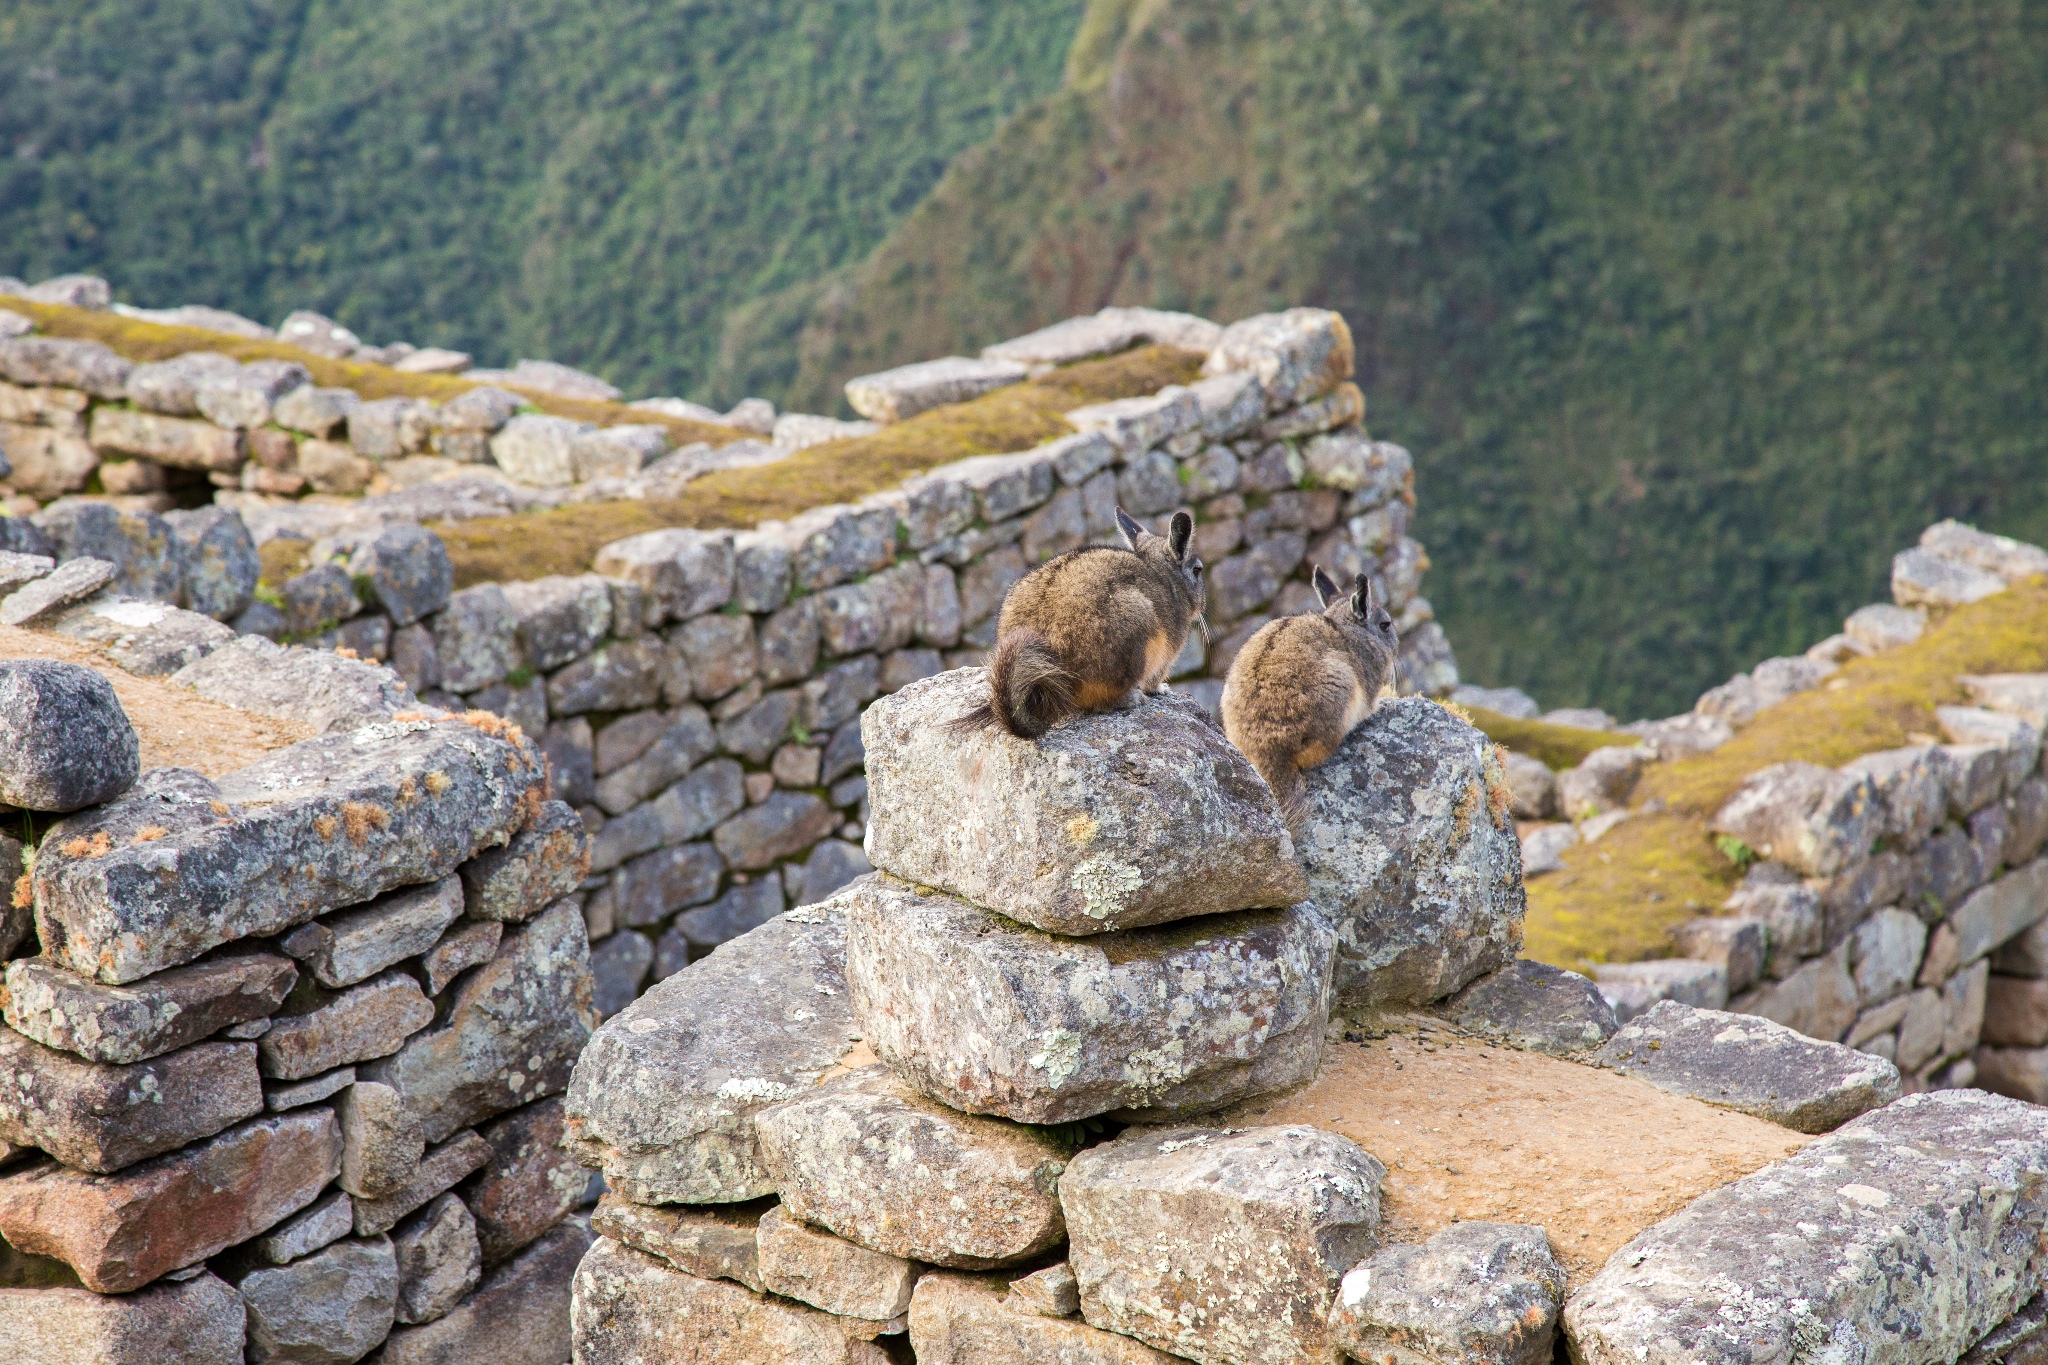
column 407, row 717
column 221, row 809
column 360, row 817
column 438, row 783
column 1470, row 1132
column 529, row 805
column 494, row 726
column 97, row 846
column 149, row 834
column 345, row 652
column 325, row 825
column 24, row 891
column 408, row 792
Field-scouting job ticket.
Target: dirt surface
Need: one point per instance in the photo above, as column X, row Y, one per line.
column 1473, row 1133
column 177, row 727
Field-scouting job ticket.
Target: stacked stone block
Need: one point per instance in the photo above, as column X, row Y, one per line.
column 284, row 1048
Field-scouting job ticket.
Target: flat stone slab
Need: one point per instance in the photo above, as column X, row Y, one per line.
column 627, row 1306
column 991, row 1017
column 97, row 1117
column 1411, row 854
column 316, row 686
column 355, row 945
column 664, row 1097
column 1220, row 1244
column 1533, row 1006
column 149, row 639
column 1486, row 1293
column 712, row 1242
column 907, row 390
column 193, row 1322
column 65, row 742
column 132, row 1023
column 873, row 1160
column 119, row 1232
column 73, row 581
column 1906, row 1235
column 1747, row 1063
column 812, row 1266
column 518, row 1314
column 371, row 1019
column 509, row 1037
column 1108, row 822
column 438, row 1172
column 969, row 1320
column 324, row 823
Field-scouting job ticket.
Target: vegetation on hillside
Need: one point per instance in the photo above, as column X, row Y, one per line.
column 604, row 184
column 1693, row 314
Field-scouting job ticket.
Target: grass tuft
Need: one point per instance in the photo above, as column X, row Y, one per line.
column 1559, row 746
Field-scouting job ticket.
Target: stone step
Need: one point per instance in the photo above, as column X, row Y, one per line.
column 1108, row 822
column 991, row 1017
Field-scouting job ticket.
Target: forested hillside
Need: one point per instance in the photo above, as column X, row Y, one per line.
column 1692, row 313
column 601, row 182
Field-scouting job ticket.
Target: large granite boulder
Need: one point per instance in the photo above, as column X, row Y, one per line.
column 1411, row 854
column 1108, row 822
column 664, row 1097
column 65, row 742
column 1905, row 1235
column 991, row 1017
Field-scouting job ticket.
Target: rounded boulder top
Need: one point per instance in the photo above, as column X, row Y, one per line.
column 65, row 742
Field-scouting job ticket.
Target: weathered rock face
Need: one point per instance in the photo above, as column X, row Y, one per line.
column 663, row 1099
column 357, row 944
column 1411, row 855
column 326, row 691
column 121, row 1231
column 907, row 390
column 627, row 1306
column 994, row 1018
column 1906, row 1235
column 1533, row 1006
column 438, row 1259
column 65, row 742
column 122, row 1024
column 98, row 1117
column 519, row 1314
column 1476, row 1293
column 1263, row 1223
column 381, row 1142
column 543, row 862
column 328, row 821
column 1296, row 355
column 196, row 1322
column 332, row 1308
column 869, row 1158
column 1813, row 820
column 221, row 567
column 714, row 1242
column 367, row 1020
column 1752, row 1065
column 74, row 580
column 963, row 1320
column 438, row 1172
column 828, row 1272
column 511, row 1034
column 1108, row 822
column 531, row 1183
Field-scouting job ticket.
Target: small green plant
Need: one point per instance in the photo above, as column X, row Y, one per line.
column 1734, row 850
column 520, row 676
column 366, row 589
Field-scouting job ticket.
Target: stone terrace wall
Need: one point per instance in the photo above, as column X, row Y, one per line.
column 698, row 694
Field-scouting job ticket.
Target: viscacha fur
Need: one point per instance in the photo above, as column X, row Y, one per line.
column 1303, row 683
column 1088, row 630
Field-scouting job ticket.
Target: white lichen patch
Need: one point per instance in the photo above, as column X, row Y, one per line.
column 1105, row 884
column 1059, row 1056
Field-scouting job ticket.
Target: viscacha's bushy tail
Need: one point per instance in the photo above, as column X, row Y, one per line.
column 1029, row 691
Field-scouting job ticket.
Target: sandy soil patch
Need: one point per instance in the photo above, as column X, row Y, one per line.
column 177, row 727
column 1470, row 1133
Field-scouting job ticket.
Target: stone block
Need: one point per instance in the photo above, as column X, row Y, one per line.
column 171, row 386
column 1633, row 987
column 1602, row 781
column 221, row 568
column 518, row 1314
column 1750, row 1065
column 1921, row 578
column 831, row 1273
column 559, row 619
column 872, row 1160
column 2012, row 560
column 650, row 888
column 1135, row 425
column 2020, row 739
column 1533, row 1006
column 315, row 411
column 509, row 1035
column 148, row 639
column 44, row 463
column 241, row 397
column 744, row 907
column 786, row 823
column 907, row 390
column 760, row 572
column 2000, row 911
column 438, row 1171
column 1910, row 784
column 1738, row 946
column 65, row 364
column 331, row 467
column 119, row 1232
column 279, row 1096
column 569, row 745
column 664, row 1097
column 715, row 1242
column 966, row 1320
column 2015, row 1012
column 101, row 1117
column 139, row 544
column 1815, row 821
column 355, row 945
column 1424, row 888
column 124, row 1024
column 72, row 581
column 617, row 451
column 65, row 742
column 1296, row 355
column 476, row 640
column 1262, row 1224
column 409, row 572
column 836, row 696
column 191, row 1322
column 624, row 675
column 171, row 441
column 1474, row 1294
column 618, row 969
column 381, row 1141
column 682, row 739
column 530, row 1184
column 331, row 1308
column 438, row 1259
column 1174, row 822
column 327, row 820
column 832, row 864
column 1818, row 999
column 539, row 865
column 1907, row 1234
column 1884, row 954
column 878, row 614
column 992, row 1017
column 683, row 573
column 719, row 651
column 539, row 451
column 627, row 1305
column 327, row 1221
column 368, row 1020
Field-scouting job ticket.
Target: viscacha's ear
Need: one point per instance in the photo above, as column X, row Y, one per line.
column 1361, row 598
column 1325, row 586
column 1129, row 527
column 1180, row 533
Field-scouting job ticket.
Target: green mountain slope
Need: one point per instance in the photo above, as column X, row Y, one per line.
column 1692, row 313
column 602, row 182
